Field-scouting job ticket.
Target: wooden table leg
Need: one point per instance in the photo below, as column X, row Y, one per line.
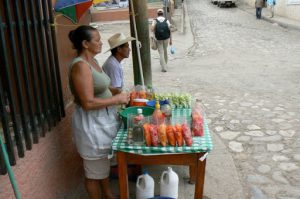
column 123, row 177
column 199, row 187
column 192, row 169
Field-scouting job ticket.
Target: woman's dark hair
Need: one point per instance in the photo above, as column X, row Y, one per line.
column 80, row 34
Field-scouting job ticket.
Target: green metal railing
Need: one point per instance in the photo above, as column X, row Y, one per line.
column 31, row 101
column 11, row 175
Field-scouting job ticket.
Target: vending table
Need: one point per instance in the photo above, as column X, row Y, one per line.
column 192, row 156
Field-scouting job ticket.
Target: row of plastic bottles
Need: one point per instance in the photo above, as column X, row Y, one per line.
column 168, row 185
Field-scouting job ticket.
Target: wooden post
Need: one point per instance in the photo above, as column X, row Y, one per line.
column 141, row 18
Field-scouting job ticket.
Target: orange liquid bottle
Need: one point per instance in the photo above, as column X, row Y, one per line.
column 158, row 117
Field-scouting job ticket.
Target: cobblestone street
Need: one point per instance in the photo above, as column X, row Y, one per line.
column 246, row 73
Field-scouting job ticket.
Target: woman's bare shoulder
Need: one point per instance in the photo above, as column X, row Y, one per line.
column 81, row 67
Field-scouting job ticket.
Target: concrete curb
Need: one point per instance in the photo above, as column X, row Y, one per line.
column 282, row 24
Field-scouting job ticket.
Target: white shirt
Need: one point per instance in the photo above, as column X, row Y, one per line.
column 160, row 19
column 114, row 69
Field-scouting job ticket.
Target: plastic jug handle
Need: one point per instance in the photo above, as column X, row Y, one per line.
column 138, row 180
column 163, row 175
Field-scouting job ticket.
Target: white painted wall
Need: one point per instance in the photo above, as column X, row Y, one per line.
column 283, row 9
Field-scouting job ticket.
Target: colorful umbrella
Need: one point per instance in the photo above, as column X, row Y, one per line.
column 74, row 9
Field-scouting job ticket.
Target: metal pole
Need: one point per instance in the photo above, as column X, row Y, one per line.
column 10, row 172
column 24, row 66
column 32, row 64
column 57, row 68
column 6, row 131
column 39, row 64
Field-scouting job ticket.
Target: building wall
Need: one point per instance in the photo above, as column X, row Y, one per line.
column 282, row 9
column 65, row 50
column 53, row 168
column 290, row 11
column 118, row 14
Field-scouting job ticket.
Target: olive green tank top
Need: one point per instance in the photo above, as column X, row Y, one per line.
column 101, row 82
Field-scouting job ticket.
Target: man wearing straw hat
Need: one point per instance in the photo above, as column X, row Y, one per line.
column 120, row 50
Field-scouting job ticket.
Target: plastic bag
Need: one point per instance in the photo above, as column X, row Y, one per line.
column 138, row 96
column 187, row 135
column 153, row 43
column 197, row 120
column 172, row 50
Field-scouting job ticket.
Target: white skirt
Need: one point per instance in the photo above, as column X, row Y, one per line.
column 94, row 131
column 96, row 169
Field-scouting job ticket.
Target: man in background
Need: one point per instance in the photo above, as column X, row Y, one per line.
column 119, row 48
column 271, row 4
column 259, row 4
column 161, row 29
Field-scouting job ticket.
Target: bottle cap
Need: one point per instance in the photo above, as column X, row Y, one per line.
column 139, row 111
column 157, row 105
column 145, row 172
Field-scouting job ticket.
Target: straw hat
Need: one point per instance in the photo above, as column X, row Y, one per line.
column 160, row 11
column 117, row 40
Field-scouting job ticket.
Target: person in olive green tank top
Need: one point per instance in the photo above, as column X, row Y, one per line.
column 101, row 81
column 94, row 120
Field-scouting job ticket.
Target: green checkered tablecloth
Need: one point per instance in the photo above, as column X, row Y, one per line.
column 200, row 144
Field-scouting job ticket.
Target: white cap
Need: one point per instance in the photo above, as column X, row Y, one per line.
column 139, row 111
column 160, row 11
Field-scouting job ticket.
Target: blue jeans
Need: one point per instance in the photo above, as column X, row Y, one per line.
column 258, row 13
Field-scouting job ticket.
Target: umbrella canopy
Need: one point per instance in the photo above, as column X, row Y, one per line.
column 74, row 9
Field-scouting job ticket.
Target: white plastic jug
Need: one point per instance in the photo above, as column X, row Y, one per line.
column 144, row 186
column 169, row 184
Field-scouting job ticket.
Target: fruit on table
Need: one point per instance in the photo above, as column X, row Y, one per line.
column 170, row 135
column 154, row 135
column 197, row 124
column 138, row 98
column 142, row 94
column 147, row 134
column 177, row 100
column 162, row 135
column 177, row 129
column 187, row 135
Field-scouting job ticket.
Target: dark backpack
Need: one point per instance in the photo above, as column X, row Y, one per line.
column 162, row 30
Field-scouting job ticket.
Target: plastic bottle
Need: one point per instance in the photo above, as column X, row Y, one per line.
column 158, row 117
column 149, row 93
column 169, row 184
column 138, row 131
column 167, row 111
column 144, row 186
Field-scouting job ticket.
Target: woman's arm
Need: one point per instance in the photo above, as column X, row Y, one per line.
column 153, row 25
column 114, row 90
column 83, row 85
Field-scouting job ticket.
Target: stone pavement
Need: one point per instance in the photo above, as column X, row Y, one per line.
column 242, row 64
column 247, row 78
